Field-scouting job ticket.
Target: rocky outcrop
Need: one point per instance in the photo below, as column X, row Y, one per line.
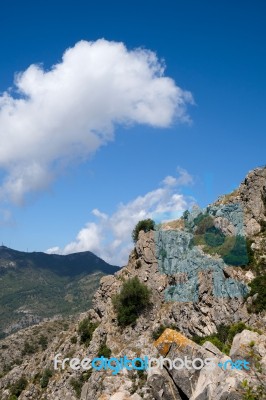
column 218, row 382
column 251, row 194
column 181, row 319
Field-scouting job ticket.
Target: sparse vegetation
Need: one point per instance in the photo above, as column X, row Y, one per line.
column 214, row 237
column 145, row 225
column 45, row 378
column 17, row 388
column 258, row 285
column 131, row 301
column 160, row 330
column 250, row 253
column 29, row 348
column 203, row 222
column 77, row 386
column 254, row 391
column 85, row 330
column 77, row 383
column 227, row 197
column 48, row 286
column 104, row 351
column 238, row 255
column 43, row 341
column 224, row 337
column 235, row 250
column 73, row 339
column 263, row 226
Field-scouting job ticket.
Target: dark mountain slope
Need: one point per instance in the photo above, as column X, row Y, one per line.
column 36, row 285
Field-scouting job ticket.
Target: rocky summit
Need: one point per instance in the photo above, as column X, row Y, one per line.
column 200, row 331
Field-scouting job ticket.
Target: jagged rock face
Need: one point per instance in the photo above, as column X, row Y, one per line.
column 200, row 384
column 251, row 194
column 253, row 197
column 200, row 317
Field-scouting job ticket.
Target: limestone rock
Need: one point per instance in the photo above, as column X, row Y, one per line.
column 182, row 320
column 247, row 344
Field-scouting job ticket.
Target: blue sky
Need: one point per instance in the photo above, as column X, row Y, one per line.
column 213, row 50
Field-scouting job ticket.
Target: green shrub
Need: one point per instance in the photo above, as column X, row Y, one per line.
column 43, row 341
column 143, row 225
column 7, row 368
column 222, row 332
column 214, row 237
column 235, row 329
column 29, row 348
column 203, row 222
column 76, row 385
column 12, row 397
column 45, row 378
column 250, row 253
column 253, row 392
column 85, row 330
column 19, row 386
column 104, row 351
column 140, row 372
column 224, row 337
column 185, row 215
column 73, row 339
column 258, row 285
column 131, row 301
column 160, row 330
column 238, row 255
column 36, row 378
column 263, row 226
column 214, row 340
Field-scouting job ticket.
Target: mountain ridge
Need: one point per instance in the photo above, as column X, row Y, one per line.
column 172, row 329
column 39, row 258
column 37, row 285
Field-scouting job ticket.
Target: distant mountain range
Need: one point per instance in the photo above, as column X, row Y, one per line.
column 35, row 286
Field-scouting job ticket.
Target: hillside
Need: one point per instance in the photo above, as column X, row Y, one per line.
column 204, row 274
column 36, row 285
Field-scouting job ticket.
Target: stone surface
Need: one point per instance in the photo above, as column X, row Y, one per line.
column 201, row 317
column 246, row 344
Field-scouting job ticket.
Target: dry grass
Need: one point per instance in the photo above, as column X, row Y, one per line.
column 227, row 198
column 176, row 224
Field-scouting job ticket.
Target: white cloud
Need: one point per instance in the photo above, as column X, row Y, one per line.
column 169, row 180
column 5, row 217
column 184, row 177
column 53, row 117
column 110, row 236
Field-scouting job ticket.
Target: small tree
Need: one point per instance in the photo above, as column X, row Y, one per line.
column 145, row 225
column 85, row 330
column 258, row 285
column 45, row 378
column 131, row 301
column 43, row 341
column 17, row 388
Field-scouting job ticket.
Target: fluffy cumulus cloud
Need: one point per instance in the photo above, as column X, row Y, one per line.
column 110, row 236
column 54, row 117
